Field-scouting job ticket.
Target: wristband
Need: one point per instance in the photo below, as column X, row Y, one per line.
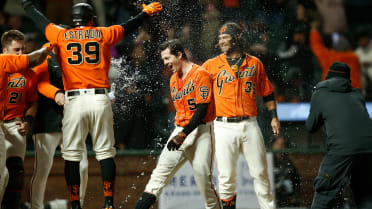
column 273, row 113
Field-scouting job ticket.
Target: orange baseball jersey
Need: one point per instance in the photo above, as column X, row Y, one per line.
column 9, row 63
column 195, row 89
column 21, row 92
column 235, row 95
column 84, row 53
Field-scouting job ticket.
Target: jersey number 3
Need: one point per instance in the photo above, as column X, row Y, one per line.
column 90, row 53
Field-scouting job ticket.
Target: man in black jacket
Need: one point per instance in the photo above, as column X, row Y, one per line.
column 342, row 110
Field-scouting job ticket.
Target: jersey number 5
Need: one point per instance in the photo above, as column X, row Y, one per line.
column 191, row 104
column 90, row 53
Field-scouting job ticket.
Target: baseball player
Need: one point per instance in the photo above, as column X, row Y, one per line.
column 84, row 55
column 237, row 79
column 11, row 63
column 47, row 131
column 192, row 140
column 20, row 111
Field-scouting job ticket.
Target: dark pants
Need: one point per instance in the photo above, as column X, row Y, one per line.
column 334, row 171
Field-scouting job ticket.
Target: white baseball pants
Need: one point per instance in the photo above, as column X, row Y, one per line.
column 15, row 143
column 245, row 137
column 83, row 114
column 14, row 146
column 198, row 150
column 4, row 175
column 45, row 147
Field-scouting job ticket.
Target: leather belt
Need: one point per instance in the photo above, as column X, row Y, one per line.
column 82, row 91
column 232, row 119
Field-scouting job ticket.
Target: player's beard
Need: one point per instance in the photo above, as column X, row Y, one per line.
column 231, row 47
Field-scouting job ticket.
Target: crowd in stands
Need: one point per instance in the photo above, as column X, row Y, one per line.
column 295, row 39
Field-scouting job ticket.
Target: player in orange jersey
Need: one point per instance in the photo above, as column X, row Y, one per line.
column 12, row 61
column 238, row 78
column 48, row 134
column 84, row 55
column 20, row 111
column 192, row 140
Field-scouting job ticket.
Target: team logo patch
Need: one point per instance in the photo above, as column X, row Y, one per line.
column 204, row 91
column 17, row 82
column 223, row 29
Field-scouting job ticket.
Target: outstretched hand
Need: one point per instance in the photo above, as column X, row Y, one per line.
column 150, row 9
column 26, row 3
column 176, row 141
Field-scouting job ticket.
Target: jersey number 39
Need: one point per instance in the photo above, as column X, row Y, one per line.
column 89, row 52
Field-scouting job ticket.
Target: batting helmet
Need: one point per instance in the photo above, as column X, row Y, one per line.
column 233, row 29
column 82, row 14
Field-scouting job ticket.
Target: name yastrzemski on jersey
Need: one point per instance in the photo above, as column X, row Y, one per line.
column 224, row 77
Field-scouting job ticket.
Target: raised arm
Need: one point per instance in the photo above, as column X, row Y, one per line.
column 148, row 10
column 39, row 19
column 37, row 57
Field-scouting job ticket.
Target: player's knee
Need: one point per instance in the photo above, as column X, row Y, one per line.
column 201, row 168
column 72, row 156
column 102, row 155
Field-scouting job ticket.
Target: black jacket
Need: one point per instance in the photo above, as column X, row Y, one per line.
column 49, row 114
column 342, row 110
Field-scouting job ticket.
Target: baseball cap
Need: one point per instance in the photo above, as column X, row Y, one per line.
column 338, row 69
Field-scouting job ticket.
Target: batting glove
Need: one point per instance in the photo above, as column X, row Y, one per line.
column 150, row 9
column 26, row 3
column 176, row 141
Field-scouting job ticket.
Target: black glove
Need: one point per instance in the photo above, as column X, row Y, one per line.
column 26, row 3
column 176, row 141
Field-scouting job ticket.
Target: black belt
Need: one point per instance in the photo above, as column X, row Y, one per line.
column 232, row 119
column 77, row 92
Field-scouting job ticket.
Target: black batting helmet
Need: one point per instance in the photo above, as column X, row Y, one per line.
column 82, row 14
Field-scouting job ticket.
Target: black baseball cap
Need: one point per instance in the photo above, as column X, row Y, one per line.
column 338, row 69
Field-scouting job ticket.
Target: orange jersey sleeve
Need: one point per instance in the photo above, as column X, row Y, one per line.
column 235, row 94
column 195, row 89
column 21, row 92
column 84, row 53
column 13, row 63
column 43, row 83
